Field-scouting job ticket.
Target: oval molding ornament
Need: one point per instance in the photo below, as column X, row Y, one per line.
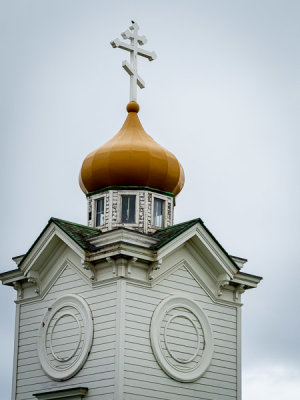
column 181, row 338
column 65, row 337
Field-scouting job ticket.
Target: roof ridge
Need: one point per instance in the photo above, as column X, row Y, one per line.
column 73, row 223
column 185, row 226
column 180, row 223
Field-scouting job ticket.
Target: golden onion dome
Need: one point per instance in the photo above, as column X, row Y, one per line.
column 131, row 158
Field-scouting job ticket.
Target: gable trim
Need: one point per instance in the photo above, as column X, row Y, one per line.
column 57, row 223
column 66, row 263
column 206, row 239
column 186, row 227
column 201, row 283
column 41, row 243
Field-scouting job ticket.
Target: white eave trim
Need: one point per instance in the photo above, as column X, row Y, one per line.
column 199, row 231
column 9, row 277
column 248, row 280
column 43, row 242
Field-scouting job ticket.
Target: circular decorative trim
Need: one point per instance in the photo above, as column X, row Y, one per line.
column 62, row 367
column 51, row 337
column 181, row 315
column 178, row 368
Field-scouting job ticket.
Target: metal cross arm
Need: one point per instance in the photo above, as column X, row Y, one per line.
column 129, row 70
column 128, row 35
column 151, row 55
column 134, row 50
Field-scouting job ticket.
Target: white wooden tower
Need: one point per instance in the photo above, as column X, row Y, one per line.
column 129, row 306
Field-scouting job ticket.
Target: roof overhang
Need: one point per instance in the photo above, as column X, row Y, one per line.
column 45, row 245
column 203, row 241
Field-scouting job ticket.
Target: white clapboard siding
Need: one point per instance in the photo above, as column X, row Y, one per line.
column 161, row 392
column 151, row 369
column 144, row 378
column 98, row 373
column 148, row 361
column 107, row 299
column 157, row 292
column 107, row 367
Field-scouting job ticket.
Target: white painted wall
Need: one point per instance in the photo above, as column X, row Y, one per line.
column 121, row 364
column 98, row 372
column 144, row 378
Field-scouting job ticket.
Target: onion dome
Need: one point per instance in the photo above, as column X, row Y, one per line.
column 131, row 158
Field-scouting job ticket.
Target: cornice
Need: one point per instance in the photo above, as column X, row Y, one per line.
column 123, row 235
column 120, row 248
column 247, row 280
column 146, row 188
column 9, row 277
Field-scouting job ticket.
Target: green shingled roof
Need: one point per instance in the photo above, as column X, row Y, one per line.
column 79, row 233
column 165, row 235
column 82, row 233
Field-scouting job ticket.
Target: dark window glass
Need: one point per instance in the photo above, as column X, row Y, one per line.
column 158, row 212
column 128, row 209
column 100, row 212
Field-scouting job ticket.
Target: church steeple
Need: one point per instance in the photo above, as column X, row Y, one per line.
column 152, row 311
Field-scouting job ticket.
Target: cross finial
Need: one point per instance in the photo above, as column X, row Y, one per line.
column 131, row 69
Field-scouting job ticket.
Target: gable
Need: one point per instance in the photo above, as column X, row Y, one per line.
column 74, row 235
column 65, row 278
column 188, row 229
column 182, row 280
column 200, row 272
column 55, row 258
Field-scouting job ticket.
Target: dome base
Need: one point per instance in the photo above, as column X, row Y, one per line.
column 138, row 208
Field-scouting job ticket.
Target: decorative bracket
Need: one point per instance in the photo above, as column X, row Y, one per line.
column 223, row 281
column 239, row 290
column 130, row 263
column 89, row 267
column 34, row 279
column 113, row 264
column 156, row 265
column 19, row 288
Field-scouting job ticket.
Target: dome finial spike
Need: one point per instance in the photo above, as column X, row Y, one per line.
column 131, row 68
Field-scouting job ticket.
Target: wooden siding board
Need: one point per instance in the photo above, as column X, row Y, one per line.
column 211, row 385
column 93, row 386
column 99, row 369
column 151, row 368
column 88, row 377
column 224, row 311
column 92, row 365
column 172, row 393
column 101, row 306
column 142, row 372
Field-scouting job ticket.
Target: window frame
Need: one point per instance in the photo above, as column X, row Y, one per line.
column 94, row 210
column 164, row 212
column 136, row 215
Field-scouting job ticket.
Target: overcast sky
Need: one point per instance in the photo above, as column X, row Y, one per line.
column 223, row 95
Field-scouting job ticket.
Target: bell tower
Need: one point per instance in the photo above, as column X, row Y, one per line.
column 128, row 306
